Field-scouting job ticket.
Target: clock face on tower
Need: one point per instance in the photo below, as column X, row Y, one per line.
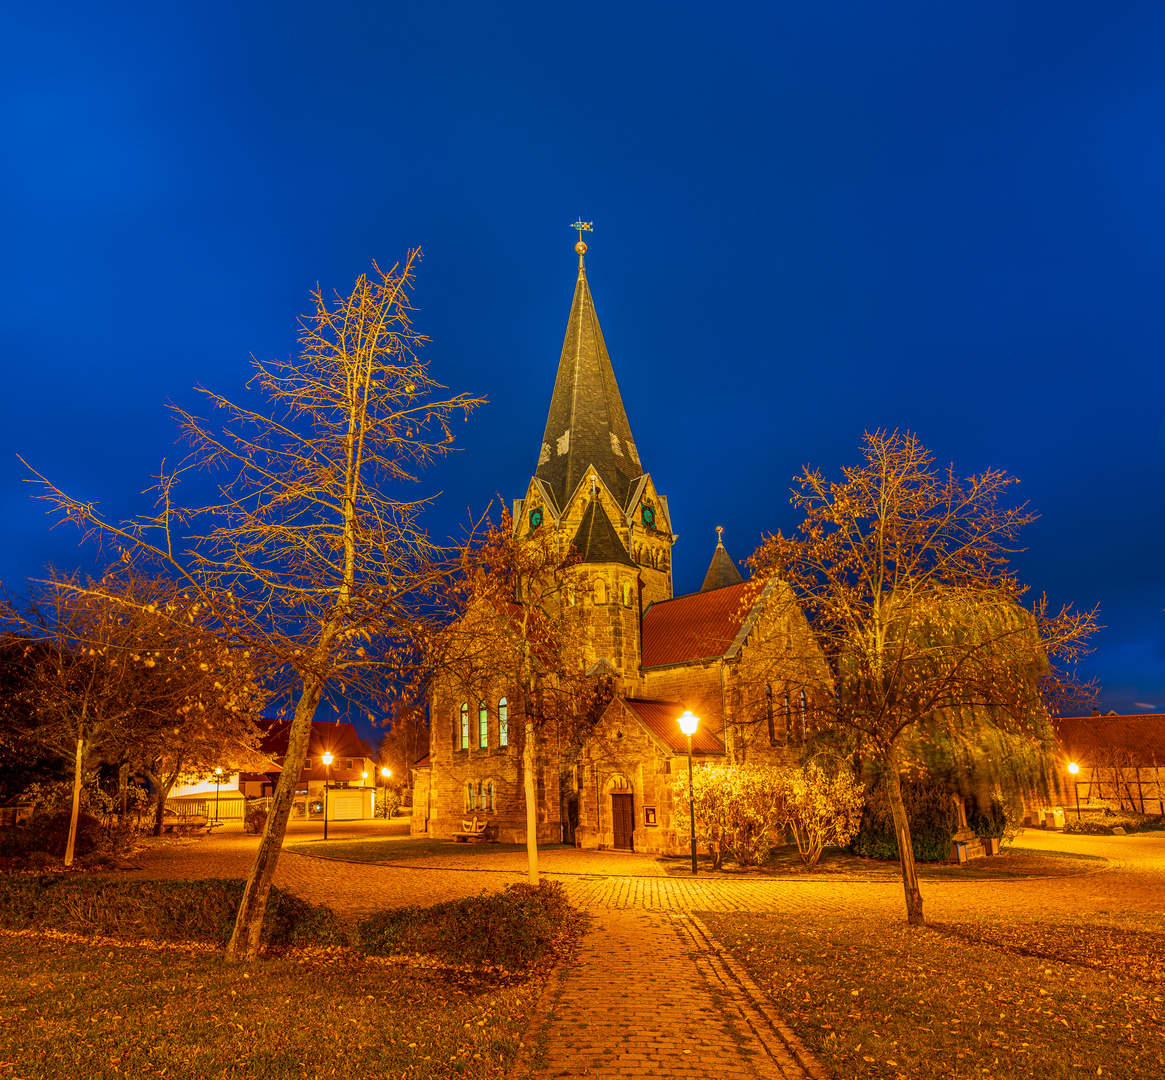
column 535, row 518
column 648, row 516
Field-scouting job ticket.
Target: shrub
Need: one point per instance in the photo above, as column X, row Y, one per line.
column 157, row 910
column 738, row 809
column 50, row 833
column 1001, row 819
column 929, row 810
column 1104, row 824
column 514, row 929
column 388, row 803
column 819, row 808
column 255, row 820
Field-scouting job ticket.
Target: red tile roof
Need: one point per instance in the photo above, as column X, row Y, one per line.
column 696, row 627
column 661, row 718
column 1094, row 740
column 340, row 739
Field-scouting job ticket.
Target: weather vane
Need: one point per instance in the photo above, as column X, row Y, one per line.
column 587, row 226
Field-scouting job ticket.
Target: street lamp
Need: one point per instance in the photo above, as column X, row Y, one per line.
column 1073, row 768
column 386, row 772
column 217, row 781
column 688, row 725
column 327, row 760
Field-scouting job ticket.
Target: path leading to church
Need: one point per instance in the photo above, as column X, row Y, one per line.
column 651, row 994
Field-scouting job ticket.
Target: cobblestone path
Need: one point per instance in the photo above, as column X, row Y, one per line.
column 643, row 999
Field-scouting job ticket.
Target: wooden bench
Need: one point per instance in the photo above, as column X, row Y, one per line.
column 471, row 829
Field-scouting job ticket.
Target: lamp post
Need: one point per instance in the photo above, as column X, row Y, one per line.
column 217, row 781
column 386, row 772
column 1073, row 768
column 327, row 760
column 688, row 725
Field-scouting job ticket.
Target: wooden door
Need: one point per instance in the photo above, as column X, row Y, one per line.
column 623, row 817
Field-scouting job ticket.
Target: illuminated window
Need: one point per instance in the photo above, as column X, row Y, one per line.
column 464, row 725
column 482, row 725
column 503, row 723
column 626, row 594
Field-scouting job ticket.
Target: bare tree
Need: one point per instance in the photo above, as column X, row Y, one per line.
column 903, row 574
column 310, row 561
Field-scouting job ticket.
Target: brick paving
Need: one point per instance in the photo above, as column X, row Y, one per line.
column 650, row 982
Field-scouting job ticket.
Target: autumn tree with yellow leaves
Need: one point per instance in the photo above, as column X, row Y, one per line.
column 514, row 619
column 313, row 558
column 903, row 573
column 122, row 671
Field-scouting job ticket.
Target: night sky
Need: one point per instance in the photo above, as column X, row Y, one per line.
column 810, row 220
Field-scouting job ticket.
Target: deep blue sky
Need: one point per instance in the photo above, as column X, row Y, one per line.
column 810, row 220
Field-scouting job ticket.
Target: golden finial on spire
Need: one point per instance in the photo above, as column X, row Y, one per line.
column 588, row 226
column 719, row 534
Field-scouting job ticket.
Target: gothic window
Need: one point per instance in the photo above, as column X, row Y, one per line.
column 788, row 721
column 600, row 591
column 470, row 796
column 465, row 725
column 804, row 725
column 503, row 723
column 491, row 795
column 626, row 594
column 769, row 712
column 482, row 725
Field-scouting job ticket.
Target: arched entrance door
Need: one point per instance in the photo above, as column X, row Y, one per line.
column 623, row 820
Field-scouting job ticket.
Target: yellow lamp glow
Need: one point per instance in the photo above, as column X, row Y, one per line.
column 689, row 722
column 326, row 759
column 365, row 775
column 1073, row 768
column 386, row 773
column 218, row 772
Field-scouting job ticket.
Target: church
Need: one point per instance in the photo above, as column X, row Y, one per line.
column 662, row 654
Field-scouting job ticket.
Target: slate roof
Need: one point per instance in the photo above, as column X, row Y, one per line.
column 722, row 571
column 596, row 540
column 587, row 424
column 699, row 626
column 1091, row 740
column 662, row 719
column 340, row 739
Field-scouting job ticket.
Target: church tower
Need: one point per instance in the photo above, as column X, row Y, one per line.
column 590, row 489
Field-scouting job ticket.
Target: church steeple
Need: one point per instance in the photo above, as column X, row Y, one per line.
column 721, row 570
column 587, row 424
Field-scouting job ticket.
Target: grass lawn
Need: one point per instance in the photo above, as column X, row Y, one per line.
column 836, row 862
column 1013, row 1002
column 73, row 1010
column 404, row 849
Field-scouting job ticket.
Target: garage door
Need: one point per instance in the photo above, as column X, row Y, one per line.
column 348, row 807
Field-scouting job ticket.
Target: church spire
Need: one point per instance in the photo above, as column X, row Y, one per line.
column 587, row 424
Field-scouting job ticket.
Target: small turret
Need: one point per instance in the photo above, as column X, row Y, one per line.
column 721, row 570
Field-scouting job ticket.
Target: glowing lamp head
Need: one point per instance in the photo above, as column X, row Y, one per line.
column 386, row 773
column 218, row 771
column 1073, row 768
column 327, row 759
column 365, row 775
column 689, row 722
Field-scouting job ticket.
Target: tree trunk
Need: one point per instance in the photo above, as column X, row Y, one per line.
column 902, row 833
column 72, row 842
column 244, row 943
column 531, row 806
